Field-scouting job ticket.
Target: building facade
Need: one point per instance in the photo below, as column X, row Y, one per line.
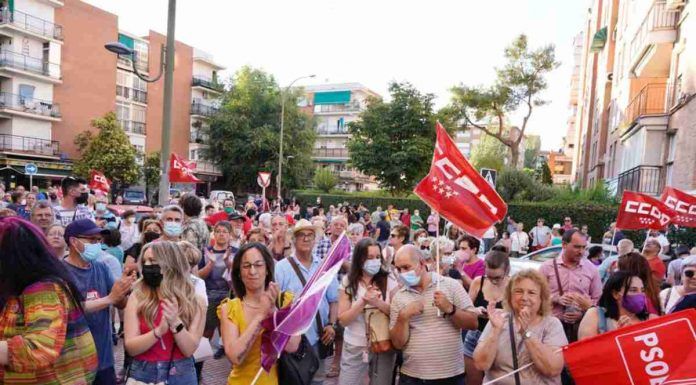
column 31, row 43
column 333, row 106
column 635, row 108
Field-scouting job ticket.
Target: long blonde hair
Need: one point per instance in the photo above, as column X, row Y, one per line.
column 176, row 284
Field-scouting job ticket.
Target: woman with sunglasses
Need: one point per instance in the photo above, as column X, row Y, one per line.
column 486, row 289
column 673, row 296
column 397, row 238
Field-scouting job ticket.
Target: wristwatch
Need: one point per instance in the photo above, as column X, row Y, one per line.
column 454, row 310
column 179, row 328
column 526, row 335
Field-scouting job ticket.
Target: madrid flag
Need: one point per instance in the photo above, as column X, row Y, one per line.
column 455, row 190
column 180, row 171
column 658, row 351
column 639, row 211
column 98, row 182
column 684, row 204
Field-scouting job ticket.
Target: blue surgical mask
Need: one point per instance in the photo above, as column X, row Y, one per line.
column 410, row 278
column 92, row 251
column 448, row 260
column 172, row 229
column 372, row 266
column 112, row 225
column 100, row 206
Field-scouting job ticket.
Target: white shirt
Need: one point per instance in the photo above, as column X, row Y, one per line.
column 519, row 239
column 540, row 235
column 199, row 287
column 490, row 233
column 129, row 235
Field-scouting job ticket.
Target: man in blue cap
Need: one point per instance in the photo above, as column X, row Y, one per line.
column 99, row 288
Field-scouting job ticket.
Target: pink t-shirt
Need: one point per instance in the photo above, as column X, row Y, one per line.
column 474, row 270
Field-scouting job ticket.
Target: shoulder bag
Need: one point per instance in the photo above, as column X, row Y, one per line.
column 377, row 327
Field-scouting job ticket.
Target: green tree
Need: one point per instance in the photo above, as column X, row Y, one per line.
column 545, row 177
column 519, row 85
column 244, row 135
column 324, row 179
column 394, row 140
column 531, row 151
column 488, row 153
column 109, row 151
column 152, row 170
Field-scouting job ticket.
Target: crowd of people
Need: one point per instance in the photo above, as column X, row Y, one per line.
column 193, row 281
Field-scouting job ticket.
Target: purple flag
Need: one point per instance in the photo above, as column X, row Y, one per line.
column 297, row 318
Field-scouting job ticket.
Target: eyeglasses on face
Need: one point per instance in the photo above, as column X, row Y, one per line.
column 689, row 273
column 305, row 236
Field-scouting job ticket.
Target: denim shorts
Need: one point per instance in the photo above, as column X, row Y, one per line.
column 180, row 372
column 470, row 342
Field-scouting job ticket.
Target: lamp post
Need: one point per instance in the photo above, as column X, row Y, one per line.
column 282, row 126
column 167, row 66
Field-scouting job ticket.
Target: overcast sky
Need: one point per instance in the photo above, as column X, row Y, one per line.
column 433, row 44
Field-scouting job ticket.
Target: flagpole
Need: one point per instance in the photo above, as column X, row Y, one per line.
column 257, row 376
column 514, row 371
column 437, row 253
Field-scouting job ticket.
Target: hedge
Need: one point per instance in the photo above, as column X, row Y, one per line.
column 596, row 216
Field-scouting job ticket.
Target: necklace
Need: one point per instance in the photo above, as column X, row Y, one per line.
column 250, row 304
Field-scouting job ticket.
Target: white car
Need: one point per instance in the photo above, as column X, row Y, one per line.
column 535, row 259
column 219, row 196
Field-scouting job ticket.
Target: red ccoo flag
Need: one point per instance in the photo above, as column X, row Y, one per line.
column 98, row 182
column 180, row 171
column 639, row 211
column 456, row 191
column 684, row 204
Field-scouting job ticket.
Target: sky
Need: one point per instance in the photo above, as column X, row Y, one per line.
column 434, row 44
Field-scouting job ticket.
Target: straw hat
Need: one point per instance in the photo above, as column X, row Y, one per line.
column 304, row 224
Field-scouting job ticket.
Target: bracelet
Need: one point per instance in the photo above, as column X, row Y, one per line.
column 154, row 333
column 454, row 310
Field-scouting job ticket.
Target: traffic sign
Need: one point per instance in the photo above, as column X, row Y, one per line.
column 489, row 175
column 264, row 179
column 30, row 169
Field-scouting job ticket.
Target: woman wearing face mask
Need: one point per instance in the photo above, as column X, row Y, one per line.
column 622, row 303
column 676, row 297
column 594, row 255
column 164, row 318
column 636, row 264
column 129, row 230
column 468, row 261
column 54, row 235
column 447, row 259
column 486, row 289
column 417, row 221
column 367, row 286
column 150, row 229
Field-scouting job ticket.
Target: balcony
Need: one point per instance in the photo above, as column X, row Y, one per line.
column 650, row 101
column 132, row 94
column 642, row 179
column 206, row 166
column 133, row 127
column 23, row 105
column 28, row 145
column 201, row 109
column 31, row 25
column 208, row 83
column 336, row 108
column 331, row 153
column 323, row 130
column 650, row 49
column 34, row 66
column 197, row 137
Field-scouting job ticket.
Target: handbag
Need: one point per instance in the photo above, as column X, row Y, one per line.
column 378, row 329
column 298, row 368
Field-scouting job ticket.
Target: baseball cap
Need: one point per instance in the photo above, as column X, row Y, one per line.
column 235, row 216
column 83, row 227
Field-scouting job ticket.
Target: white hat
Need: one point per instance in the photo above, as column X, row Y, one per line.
column 556, row 225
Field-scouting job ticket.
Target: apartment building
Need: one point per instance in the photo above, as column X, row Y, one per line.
column 333, row 106
column 467, row 141
column 30, row 69
column 635, row 108
column 570, row 137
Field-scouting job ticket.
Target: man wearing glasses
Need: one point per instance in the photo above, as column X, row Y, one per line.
column 99, row 288
column 293, row 272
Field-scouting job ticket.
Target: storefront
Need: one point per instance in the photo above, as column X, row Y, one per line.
column 49, row 172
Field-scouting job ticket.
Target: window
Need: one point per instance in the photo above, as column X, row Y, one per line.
column 122, row 78
column 139, row 114
column 26, row 92
column 193, row 154
column 141, row 51
column 671, row 147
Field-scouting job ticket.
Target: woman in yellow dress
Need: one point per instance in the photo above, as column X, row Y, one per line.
column 240, row 318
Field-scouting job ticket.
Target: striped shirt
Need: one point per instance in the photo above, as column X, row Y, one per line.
column 65, row 216
column 434, row 349
column 48, row 339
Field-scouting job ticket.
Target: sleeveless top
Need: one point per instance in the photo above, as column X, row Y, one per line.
column 156, row 353
column 481, row 301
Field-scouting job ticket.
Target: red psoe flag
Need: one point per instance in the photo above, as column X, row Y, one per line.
column 639, row 211
column 180, row 171
column 658, row 351
column 98, row 182
column 457, row 191
column 683, row 204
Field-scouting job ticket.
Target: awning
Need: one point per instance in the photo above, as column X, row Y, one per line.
column 126, row 40
column 333, row 97
column 599, row 40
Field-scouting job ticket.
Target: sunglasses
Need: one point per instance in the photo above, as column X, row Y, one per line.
column 689, row 273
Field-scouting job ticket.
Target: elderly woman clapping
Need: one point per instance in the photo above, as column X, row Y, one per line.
column 678, row 297
column 535, row 338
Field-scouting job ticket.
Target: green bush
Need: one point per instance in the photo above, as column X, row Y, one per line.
column 324, row 179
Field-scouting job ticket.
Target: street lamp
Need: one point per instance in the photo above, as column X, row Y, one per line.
column 282, row 126
column 167, row 61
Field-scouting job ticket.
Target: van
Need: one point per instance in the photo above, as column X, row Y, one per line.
column 220, row 196
column 134, row 196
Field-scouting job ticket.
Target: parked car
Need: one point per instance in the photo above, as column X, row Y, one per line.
column 140, row 211
column 220, row 196
column 534, row 259
column 134, row 196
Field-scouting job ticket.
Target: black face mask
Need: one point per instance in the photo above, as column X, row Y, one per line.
column 53, row 196
column 152, row 275
column 82, row 199
column 150, row 236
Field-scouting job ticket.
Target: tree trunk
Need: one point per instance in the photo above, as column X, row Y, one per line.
column 514, row 155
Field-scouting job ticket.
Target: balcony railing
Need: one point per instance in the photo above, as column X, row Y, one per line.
column 659, row 18
column 203, row 109
column 206, row 166
column 29, row 105
column 206, row 82
column 197, row 137
column 32, row 24
column 26, row 144
column 642, row 179
column 133, row 126
column 649, row 101
column 331, row 108
column 132, row 94
column 331, row 152
column 28, row 63
column 322, row 130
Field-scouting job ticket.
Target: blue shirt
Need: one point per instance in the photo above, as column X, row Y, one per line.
column 287, row 279
column 604, row 267
column 95, row 282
